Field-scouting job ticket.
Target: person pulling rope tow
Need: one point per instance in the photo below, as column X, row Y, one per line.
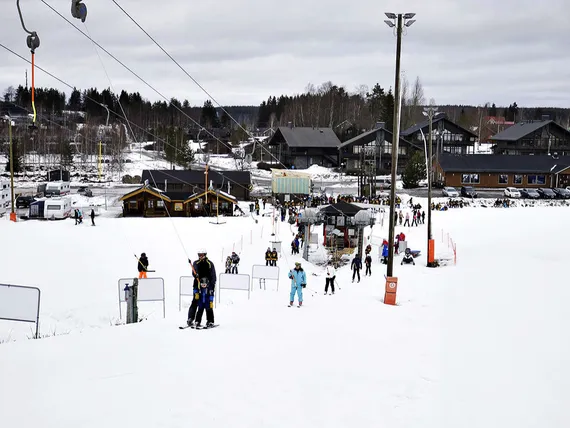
column 33, row 42
column 78, row 10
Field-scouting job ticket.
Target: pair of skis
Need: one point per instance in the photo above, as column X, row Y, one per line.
column 184, row 327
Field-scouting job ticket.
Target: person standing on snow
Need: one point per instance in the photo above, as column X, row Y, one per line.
column 298, row 282
column 92, row 217
column 274, row 257
column 368, row 263
column 142, row 266
column 268, row 257
column 228, row 264
column 331, row 276
column 385, row 252
column 356, row 265
column 235, row 262
column 204, row 287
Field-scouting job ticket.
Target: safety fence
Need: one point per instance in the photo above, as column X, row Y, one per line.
column 451, row 244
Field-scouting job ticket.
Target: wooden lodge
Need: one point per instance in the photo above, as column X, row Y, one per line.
column 148, row 201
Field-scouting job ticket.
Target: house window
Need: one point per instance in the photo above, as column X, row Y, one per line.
column 339, row 220
column 536, row 179
column 387, row 148
column 402, row 150
column 470, row 178
column 133, row 204
column 151, row 204
column 518, row 179
column 503, row 179
column 160, row 204
column 178, row 206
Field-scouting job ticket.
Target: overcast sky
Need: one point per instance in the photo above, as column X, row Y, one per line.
column 242, row 51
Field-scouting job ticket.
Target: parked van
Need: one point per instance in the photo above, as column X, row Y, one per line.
column 383, row 183
column 57, row 188
column 51, row 209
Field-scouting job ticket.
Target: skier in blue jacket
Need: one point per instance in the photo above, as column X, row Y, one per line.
column 298, row 282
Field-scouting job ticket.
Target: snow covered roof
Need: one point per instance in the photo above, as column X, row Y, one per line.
column 146, row 189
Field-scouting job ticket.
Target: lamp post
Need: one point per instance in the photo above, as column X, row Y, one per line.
column 430, row 113
column 398, row 22
column 12, row 212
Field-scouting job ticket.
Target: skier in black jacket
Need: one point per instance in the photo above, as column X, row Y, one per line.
column 356, row 265
column 204, row 288
column 142, row 265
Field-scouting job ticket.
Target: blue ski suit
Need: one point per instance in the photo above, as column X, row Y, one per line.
column 298, row 277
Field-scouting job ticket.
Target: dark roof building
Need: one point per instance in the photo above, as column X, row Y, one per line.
column 236, row 183
column 449, row 137
column 491, row 171
column 301, row 147
column 532, row 137
column 370, row 154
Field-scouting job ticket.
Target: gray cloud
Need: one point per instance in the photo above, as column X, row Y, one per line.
column 468, row 52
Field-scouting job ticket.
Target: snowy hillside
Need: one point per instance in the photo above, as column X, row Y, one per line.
column 480, row 344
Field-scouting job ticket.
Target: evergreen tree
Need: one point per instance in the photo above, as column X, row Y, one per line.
column 225, row 121
column 209, row 116
column 238, row 135
column 388, row 110
column 185, row 156
column 415, row 170
column 463, row 119
column 66, row 152
column 375, row 101
column 493, row 110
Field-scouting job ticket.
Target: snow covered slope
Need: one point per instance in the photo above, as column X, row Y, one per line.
column 481, row 344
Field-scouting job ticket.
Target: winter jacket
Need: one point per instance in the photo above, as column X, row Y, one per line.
column 385, row 250
column 274, row 256
column 368, row 260
column 235, row 259
column 331, row 272
column 268, row 255
column 142, row 264
column 356, row 263
column 205, row 269
column 298, row 277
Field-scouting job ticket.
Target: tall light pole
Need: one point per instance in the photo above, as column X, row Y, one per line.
column 398, row 22
column 430, row 113
column 12, row 212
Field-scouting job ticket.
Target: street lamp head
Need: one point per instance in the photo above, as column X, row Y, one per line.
column 390, row 15
column 409, row 15
column 409, row 23
column 389, row 23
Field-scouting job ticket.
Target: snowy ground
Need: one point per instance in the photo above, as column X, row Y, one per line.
column 481, row 344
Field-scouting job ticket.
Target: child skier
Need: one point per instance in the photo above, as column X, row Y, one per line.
column 298, row 282
column 368, row 263
column 235, row 262
column 408, row 257
column 204, row 287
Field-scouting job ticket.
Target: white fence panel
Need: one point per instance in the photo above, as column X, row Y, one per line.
column 20, row 303
column 149, row 290
column 263, row 273
column 228, row 281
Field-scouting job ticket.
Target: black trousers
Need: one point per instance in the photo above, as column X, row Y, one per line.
column 368, row 271
column 196, row 310
column 268, row 263
column 356, row 272
column 331, row 282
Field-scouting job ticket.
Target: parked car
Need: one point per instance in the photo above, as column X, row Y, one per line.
column 546, row 193
column 84, row 190
column 530, row 194
column 24, row 201
column 511, row 192
column 450, row 192
column 562, row 193
column 468, row 192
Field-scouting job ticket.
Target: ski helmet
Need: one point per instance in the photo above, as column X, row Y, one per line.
column 202, row 251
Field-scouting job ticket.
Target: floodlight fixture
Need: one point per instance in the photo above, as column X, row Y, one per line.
column 390, row 23
column 410, row 22
column 390, row 15
column 409, row 15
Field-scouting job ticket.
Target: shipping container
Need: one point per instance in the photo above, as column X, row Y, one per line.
column 287, row 182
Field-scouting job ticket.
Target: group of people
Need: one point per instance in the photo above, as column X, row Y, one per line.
column 78, row 216
column 417, row 218
column 271, row 257
column 232, row 263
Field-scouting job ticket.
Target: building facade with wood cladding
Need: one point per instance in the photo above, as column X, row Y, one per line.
column 535, row 137
column 500, row 171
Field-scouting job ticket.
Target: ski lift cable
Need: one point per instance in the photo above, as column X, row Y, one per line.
column 135, row 74
column 135, row 138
